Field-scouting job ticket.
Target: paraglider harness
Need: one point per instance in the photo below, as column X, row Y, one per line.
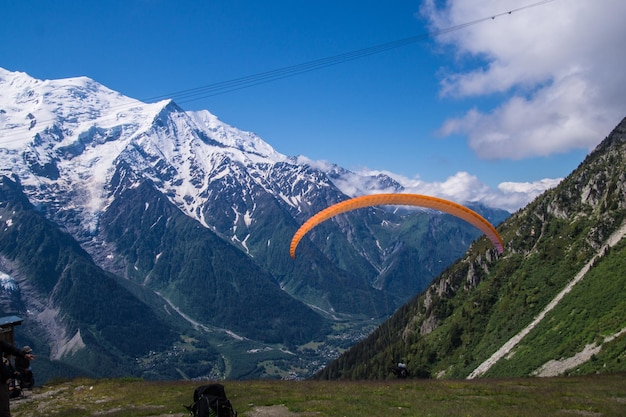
column 210, row 401
column 15, row 389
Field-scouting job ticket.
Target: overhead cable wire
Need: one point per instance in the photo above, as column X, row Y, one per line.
column 223, row 87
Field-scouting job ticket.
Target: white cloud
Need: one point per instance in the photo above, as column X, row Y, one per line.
column 559, row 68
column 463, row 187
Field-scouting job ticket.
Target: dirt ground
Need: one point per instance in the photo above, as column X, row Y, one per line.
column 257, row 411
column 274, row 411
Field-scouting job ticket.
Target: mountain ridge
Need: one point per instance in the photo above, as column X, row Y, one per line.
column 192, row 219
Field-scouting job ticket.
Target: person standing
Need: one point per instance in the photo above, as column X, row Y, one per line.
column 7, row 375
column 25, row 373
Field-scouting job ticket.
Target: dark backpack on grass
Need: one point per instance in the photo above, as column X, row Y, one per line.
column 210, row 401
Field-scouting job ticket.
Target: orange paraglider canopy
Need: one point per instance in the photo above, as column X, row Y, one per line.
column 435, row 203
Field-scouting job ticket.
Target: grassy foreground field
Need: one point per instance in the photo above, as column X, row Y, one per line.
column 594, row 395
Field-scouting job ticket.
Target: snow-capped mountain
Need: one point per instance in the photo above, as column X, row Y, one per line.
column 185, row 208
column 71, row 133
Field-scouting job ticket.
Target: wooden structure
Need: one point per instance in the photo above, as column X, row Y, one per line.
column 6, row 328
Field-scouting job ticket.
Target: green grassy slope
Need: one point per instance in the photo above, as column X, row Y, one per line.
column 595, row 395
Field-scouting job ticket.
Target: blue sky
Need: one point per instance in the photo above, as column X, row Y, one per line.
column 499, row 105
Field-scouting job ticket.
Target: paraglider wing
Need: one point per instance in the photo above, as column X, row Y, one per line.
column 435, row 203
